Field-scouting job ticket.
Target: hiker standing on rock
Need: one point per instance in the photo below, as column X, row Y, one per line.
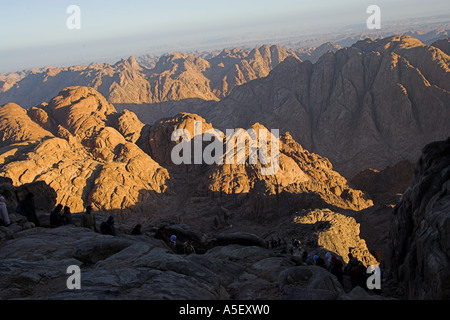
column 4, row 217
column 88, row 219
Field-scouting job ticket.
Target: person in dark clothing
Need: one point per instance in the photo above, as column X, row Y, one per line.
column 188, row 247
column 356, row 270
column 55, row 216
column 67, row 216
column 319, row 261
column 336, row 268
column 137, row 230
column 28, row 208
column 161, row 234
column 304, row 256
column 107, row 227
column 359, row 275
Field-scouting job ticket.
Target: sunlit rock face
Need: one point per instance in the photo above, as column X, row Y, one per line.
column 81, row 157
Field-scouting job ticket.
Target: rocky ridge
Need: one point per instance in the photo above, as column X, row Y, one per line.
column 353, row 106
column 304, row 180
column 174, row 77
column 376, row 91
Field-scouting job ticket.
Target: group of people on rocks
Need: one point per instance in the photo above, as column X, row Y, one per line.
column 26, row 207
column 275, row 243
column 59, row 216
column 355, row 269
column 187, row 247
column 295, row 245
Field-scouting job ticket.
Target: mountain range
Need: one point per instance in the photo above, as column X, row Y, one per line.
column 370, row 105
column 376, row 91
column 171, row 77
column 102, row 135
column 91, row 154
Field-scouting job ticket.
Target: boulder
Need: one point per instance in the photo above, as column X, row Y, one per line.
column 100, row 250
column 309, row 283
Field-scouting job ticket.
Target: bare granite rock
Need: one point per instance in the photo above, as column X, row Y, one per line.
column 417, row 256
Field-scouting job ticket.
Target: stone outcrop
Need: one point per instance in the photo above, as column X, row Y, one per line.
column 335, row 233
column 417, row 257
column 313, row 54
column 157, row 141
column 221, row 190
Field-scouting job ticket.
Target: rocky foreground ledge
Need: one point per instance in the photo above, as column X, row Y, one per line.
column 34, row 265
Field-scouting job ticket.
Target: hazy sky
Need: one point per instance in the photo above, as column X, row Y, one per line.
column 33, row 33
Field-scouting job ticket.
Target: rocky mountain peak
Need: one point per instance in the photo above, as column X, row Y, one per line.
column 80, row 110
column 16, row 126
